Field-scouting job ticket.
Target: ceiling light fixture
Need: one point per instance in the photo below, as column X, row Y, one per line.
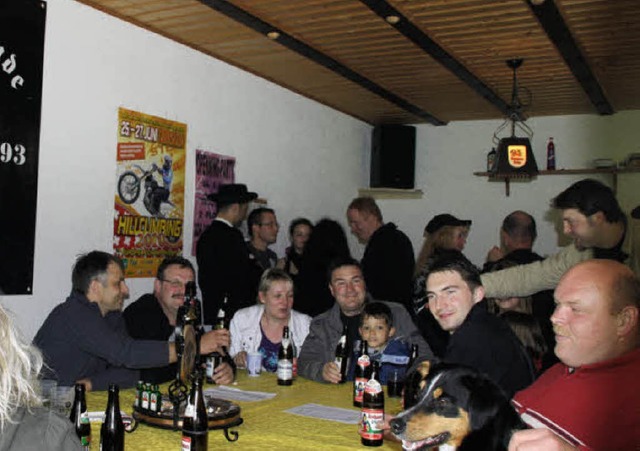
column 515, row 156
column 392, row 19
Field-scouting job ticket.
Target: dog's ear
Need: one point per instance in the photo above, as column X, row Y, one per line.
column 414, row 383
column 485, row 400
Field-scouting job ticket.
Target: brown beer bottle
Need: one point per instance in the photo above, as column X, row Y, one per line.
column 112, row 431
column 372, row 410
column 221, row 319
column 195, row 424
column 285, row 359
column 362, row 374
column 342, row 355
column 80, row 417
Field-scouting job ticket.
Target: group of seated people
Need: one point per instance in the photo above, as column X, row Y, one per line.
column 584, row 401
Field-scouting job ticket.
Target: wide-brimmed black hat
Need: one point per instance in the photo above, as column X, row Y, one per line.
column 439, row 221
column 233, row 193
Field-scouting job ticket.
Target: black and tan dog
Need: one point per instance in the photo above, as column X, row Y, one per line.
column 455, row 408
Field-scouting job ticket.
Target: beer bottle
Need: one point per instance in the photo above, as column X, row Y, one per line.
column 112, row 431
column 195, row 424
column 362, row 374
column 80, row 417
column 414, row 356
column 295, row 355
column 221, row 318
column 342, row 355
column 153, row 399
column 285, row 359
column 146, row 393
column 372, row 410
column 139, row 388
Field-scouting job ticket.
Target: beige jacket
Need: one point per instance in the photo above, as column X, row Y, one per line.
column 527, row 279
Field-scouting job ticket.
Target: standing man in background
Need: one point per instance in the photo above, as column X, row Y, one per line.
column 388, row 259
column 592, row 217
column 263, row 231
column 224, row 266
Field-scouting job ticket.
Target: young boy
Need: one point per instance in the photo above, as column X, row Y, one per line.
column 376, row 327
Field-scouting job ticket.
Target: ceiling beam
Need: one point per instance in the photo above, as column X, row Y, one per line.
column 288, row 41
column 556, row 28
column 404, row 26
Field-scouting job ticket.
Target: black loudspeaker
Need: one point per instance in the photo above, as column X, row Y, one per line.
column 393, row 157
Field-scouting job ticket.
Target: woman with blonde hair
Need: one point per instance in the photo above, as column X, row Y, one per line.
column 24, row 423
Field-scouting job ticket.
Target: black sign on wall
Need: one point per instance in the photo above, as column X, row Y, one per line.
column 22, row 24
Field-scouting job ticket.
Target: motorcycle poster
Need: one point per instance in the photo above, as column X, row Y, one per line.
column 149, row 198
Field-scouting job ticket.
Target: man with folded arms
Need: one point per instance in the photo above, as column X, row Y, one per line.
column 84, row 339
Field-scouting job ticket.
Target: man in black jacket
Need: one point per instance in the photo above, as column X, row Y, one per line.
column 388, row 259
column 153, row 317
column 224, row 266
column 478, row 339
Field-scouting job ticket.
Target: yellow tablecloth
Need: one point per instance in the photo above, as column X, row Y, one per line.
column 266, row 424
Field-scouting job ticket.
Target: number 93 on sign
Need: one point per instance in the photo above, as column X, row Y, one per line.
column 16, row 154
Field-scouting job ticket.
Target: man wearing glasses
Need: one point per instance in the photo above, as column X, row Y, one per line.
column 263, row 231
column 153, row 317
column 85, row 340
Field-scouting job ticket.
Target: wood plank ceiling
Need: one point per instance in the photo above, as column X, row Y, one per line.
column 416, row 61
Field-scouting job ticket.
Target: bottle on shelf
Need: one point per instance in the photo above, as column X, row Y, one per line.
column 80, row 417
column 362, row 374
column 491, row 159
column 285, row 359
column 112, row 430
column 551, row 155
column 372, row 417
column 139, row 388
column 155, row 399
column 342, row 355
column 195, row 424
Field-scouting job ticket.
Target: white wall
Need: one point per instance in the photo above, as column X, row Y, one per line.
column 306, row 159
column 303, row 157
column 446, row 158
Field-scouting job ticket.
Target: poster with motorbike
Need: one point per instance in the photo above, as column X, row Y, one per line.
column 22, row 26
column 149, row 199
column 212, row 170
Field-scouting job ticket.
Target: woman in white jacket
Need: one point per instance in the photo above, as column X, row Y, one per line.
column 259, row 327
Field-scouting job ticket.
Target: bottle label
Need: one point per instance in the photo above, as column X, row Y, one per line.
column 145, row 399
column 338, row 362
column 153, row 403
column 85, row 440
column 186, row 443
column 190, row 411
column 371, row 423
column 373, row 387
column 358, row 392
column 364, row 361
column 285, row 369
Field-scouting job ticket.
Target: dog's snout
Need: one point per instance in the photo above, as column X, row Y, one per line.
column 397, row 425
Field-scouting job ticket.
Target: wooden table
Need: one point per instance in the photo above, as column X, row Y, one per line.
column 266, row 424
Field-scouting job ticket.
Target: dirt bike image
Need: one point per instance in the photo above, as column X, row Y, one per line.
column 129, row 188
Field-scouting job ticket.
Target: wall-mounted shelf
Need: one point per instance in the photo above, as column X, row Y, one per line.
column 390, row 193
column 612, row 171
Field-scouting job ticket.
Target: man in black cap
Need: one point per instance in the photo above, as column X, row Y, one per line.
column 224, row 267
